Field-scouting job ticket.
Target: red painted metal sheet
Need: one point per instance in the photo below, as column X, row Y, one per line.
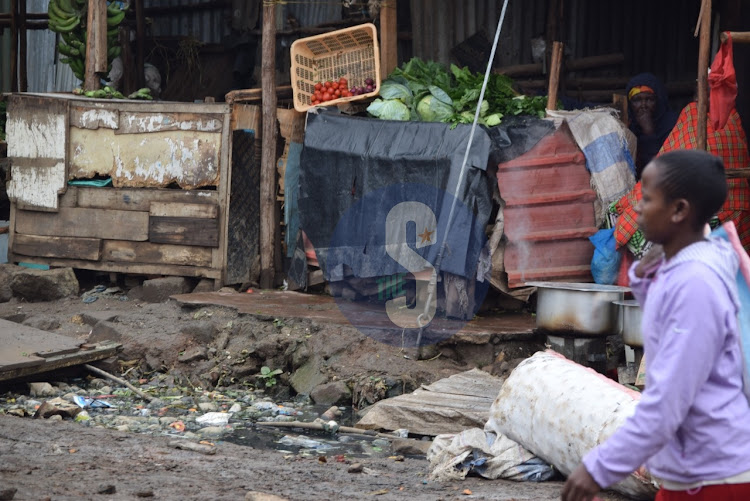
column 549, row 212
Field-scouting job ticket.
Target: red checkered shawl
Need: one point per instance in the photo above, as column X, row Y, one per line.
column 729, row 143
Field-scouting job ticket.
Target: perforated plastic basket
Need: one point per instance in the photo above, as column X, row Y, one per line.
column 351, row 53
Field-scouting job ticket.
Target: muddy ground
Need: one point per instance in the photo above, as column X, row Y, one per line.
column 213, row 347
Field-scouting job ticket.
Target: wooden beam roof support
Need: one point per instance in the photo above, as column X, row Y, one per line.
column 268, row 220
column 388, row 37
column 704, row 47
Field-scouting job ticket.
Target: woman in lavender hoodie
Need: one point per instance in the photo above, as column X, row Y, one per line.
column 692, row 424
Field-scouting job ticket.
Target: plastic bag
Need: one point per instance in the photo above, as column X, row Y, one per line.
column 722, row 81
column 728, row 232
column 606, row 261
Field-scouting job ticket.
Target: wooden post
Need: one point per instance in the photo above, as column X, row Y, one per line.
column 23, row 76
column 268, row 220
column 704, row 46
column 14, row 45
column 554, row 75
column 140, row 33
column 388, row 37
column 96, row 44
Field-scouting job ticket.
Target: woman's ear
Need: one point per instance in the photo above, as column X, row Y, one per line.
column 680, row 210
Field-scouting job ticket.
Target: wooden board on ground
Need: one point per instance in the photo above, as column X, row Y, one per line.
column 83, row 248
column 61, row 361
column 19, row 338
column 447, row 406
column 183, row 231
column 77, row 222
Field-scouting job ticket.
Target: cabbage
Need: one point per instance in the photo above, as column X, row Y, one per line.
column 393, row 90
column 431, row 109
column 390, row 109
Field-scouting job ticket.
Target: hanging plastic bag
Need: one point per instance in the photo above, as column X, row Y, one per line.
column 728, row 232
column 722, row 81
column 606, row 261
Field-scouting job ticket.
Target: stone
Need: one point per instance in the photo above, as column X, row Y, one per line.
column 7, row 494
column 205, row 285
column 222, row 340
column 262, row 496
column 300, row 355
column 145, row 493
column 41, row 390
column 202, row 332
column 331, row 394
column 213, row 431
column 331, row 414
column 6, row 275
column 307, row 377
column 158, row 290
column 355, row 468
column 106, row 489
column 42, row 323
column 235, row 408
column 410, row 447
column 207, row 406
column 193, row 354
column 44, row 285
column 104, row 331
column 56, row 417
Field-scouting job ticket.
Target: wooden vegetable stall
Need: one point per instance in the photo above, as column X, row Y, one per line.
column 174, row 207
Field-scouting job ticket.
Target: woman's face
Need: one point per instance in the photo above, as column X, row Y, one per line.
column 644, row 103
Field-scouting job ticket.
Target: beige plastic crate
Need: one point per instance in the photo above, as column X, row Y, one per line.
column 351, row 53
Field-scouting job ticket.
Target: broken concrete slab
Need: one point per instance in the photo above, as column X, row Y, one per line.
column 44, row 285
column 410, row 447
column 449, row 405
column 333, row 393
column 41, row 390
column 94, row 317
column 159, row 290
column 193, row 354
column 6, row 275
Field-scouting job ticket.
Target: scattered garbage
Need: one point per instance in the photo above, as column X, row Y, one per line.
column 84, row 402
column 214, row 418
column 103, row 291
column 304, row 442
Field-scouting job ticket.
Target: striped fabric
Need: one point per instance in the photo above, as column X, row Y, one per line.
column 729, row 143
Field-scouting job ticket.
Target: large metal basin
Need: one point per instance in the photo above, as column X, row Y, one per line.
column 579, row 308
column 631, row 315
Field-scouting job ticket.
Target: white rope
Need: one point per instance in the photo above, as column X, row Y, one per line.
column 433, row 279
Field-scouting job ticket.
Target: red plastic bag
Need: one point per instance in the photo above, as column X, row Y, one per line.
column 722, row 81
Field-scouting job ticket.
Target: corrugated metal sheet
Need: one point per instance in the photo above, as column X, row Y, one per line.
column 208, row 26
column 549, row 212
column 40, row 48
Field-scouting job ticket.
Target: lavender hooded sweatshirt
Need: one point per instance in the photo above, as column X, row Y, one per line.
column 692, row 423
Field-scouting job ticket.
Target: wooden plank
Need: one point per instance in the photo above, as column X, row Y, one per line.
column 246, row 116
column 388, row 37
column 91, row 79
column 135, row 199
column 737, row 36
column 131, row 268
column 86, row 117
column 100, row 36
column 201, row 211
column 80, row 248
column 142, row 122
column 65, row 360
column 183, row 231
column 704, row 49
column 268, row 220
column 147, row 252
column 78, row 222
column 19, row 338
column 219, row 256
column 256, row 95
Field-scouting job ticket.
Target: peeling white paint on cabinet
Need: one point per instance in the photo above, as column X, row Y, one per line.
column 36, row 137
column 135, row 123
column 93, row 118
column 37, row 186
column 188, row 158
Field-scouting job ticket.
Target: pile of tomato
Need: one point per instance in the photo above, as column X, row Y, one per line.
column 330, row 90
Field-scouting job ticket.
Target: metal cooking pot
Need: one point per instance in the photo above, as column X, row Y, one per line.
column 586, row 309
column 630, row 319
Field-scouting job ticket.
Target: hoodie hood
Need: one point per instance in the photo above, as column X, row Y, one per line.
column 718, row 255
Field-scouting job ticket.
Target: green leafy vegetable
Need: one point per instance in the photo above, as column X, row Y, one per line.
column 431, row 93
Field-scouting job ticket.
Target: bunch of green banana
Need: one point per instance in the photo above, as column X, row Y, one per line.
column 143, row 93
column 68, row 18
column 105, row 93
